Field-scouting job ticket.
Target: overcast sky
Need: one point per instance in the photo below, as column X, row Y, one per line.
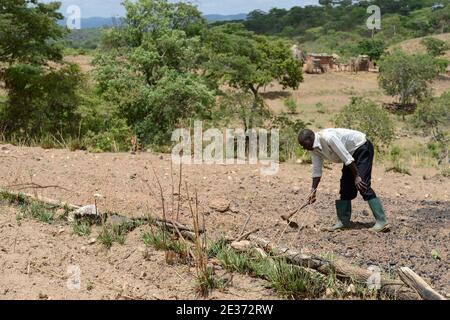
column 109, row 8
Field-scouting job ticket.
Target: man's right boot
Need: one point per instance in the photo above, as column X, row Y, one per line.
column 344, row 214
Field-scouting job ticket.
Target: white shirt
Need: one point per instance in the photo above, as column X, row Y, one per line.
column 336, row 145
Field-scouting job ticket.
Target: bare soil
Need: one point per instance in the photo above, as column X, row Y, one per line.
column 35, row 256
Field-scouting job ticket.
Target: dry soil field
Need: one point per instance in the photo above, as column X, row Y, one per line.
column 34, row 256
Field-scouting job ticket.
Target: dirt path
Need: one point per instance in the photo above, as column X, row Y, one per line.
column 418, row 207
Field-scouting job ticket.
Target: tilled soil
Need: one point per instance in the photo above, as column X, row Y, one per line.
column 418, row 208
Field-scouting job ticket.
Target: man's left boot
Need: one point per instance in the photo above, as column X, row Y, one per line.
column 381, row 224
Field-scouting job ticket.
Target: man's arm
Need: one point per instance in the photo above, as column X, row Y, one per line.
column 315, row 184
column 360, row 185
column 316, row 177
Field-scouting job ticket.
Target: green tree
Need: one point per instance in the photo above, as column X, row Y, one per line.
column 149, row 68
column 435, row 47
column 364, row 115
column 373, row 48
column 248, row 62
column 433, row 116
column 41, row 102
column 407, row 76
column 42, row 96
column 29, row 31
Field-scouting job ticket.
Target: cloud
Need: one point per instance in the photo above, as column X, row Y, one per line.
column 109, row 8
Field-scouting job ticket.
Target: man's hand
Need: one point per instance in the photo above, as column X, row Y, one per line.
column 360, row 185
column 312, row 197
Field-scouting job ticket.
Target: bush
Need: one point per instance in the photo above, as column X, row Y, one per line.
column 291, row 105
column 289, row 129
column 407, row 77
column 433, row 117
column 364, row 115
column 41, row 101
column 435, row 47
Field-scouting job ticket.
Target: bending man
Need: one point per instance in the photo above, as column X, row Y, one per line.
column 356, row 152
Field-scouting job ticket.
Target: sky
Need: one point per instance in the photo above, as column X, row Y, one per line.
column 109, row 8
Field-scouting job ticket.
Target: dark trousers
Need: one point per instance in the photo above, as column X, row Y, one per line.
column 363, row 159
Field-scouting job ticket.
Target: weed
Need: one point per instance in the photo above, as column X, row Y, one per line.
column 294, row 282
column 114, row 233
column 321, row 108
column 82, row 228
column 291, row 105
column 89, row 286
column 399, row 167
column 37, row 211
column 163, row 242
column 207, row 281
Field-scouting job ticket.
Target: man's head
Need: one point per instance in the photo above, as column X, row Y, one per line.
column 306, row 139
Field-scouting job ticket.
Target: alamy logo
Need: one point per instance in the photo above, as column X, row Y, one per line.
column 374, row 21
column 374, row 281
column 228, row 147
column 74, row 277
column 73, row 17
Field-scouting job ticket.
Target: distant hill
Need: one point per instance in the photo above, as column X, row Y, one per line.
column 219, row 17
column 98, row 22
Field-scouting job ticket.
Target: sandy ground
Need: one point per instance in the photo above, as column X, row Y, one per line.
column 418, row 208
column 37, row 261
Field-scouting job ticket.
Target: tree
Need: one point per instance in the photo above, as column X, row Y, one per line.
column 364, row 115
column 407, row 76
column 29, row 31
column 433, row 117
column 248, row 62
column 373, row 48
column 435, row 47
column 149, row 68
column 42, row 97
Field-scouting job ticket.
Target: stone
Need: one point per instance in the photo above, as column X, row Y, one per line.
column 241, row 245
column 89, row 213
column 116, row 220
column 220, row 205
column 261, row 253
column 60, row 214
column 296, row 189
column 351, row 289
column 43, row 296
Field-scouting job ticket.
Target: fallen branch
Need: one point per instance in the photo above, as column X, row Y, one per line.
column 245, row 236
column 392, row 288
column 245, row 224
column 414, row 281
column 33, row 185
column 47, row 201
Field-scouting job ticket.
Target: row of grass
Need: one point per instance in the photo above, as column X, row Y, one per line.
column 289, row 281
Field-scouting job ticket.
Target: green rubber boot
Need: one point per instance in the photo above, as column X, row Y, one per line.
column 344, row 214
column 381, row 224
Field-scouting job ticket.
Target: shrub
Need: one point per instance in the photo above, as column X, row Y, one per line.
column 289, row 129
column 435, row 47
column 364, row 115
column 41, row 101
column 407, row 77
column 433, row 117
column 291, row 105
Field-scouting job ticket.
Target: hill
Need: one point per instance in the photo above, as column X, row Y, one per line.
column 415, row 45
column 99, row 22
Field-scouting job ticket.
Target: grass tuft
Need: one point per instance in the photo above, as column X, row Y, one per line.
column 399, row 168
column 37, row 211
column 82, row 228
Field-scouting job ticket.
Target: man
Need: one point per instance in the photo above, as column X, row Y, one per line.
column 356, row 152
